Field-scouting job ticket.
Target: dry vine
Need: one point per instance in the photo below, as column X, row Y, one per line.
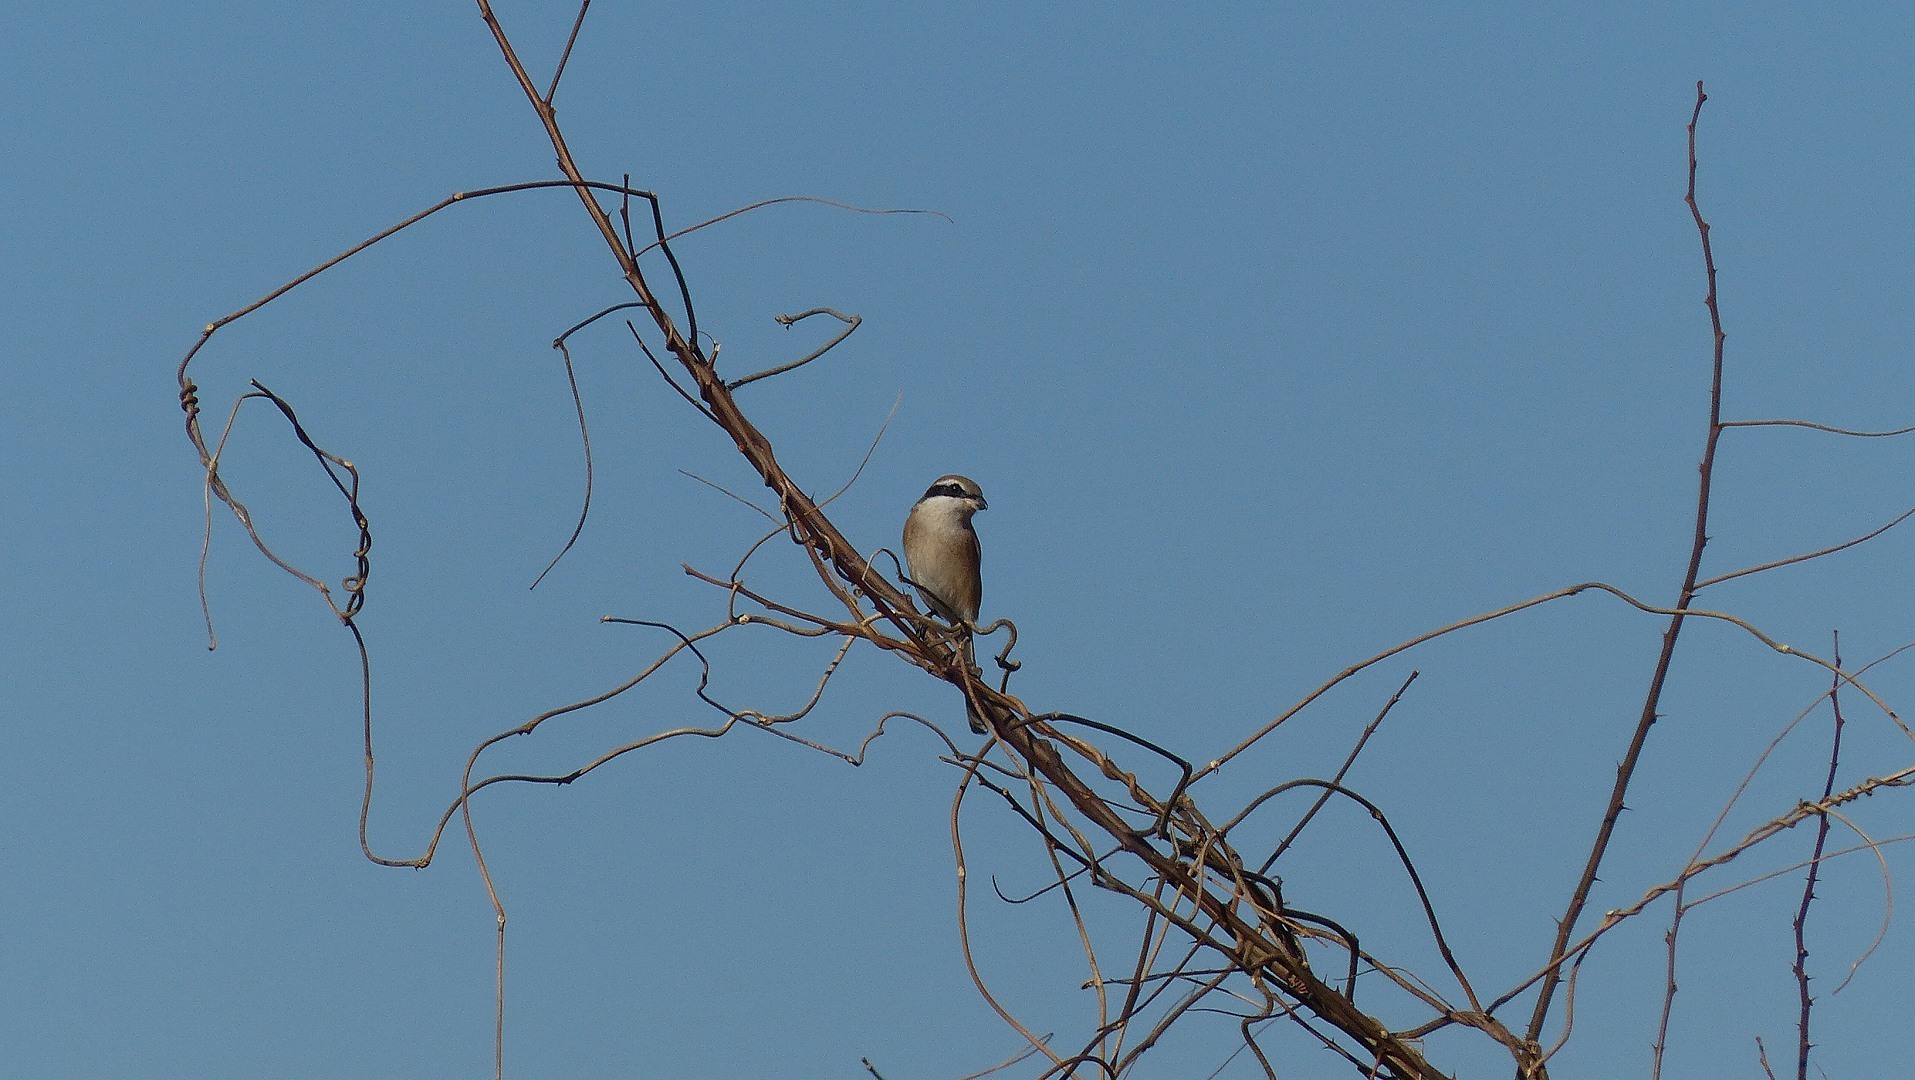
column 1218, row 935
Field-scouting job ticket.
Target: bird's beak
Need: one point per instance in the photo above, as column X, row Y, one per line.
column 981, row 504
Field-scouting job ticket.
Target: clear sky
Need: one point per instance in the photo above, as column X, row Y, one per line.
column 1275, row 336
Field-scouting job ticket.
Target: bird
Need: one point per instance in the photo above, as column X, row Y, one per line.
column 943, row 558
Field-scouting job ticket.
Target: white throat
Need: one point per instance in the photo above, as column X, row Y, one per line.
column 944, row 511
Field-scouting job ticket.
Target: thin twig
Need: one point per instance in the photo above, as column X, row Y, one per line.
column 1818, row 427
column 1669, row 939
column 1342, row 771
column 1720, row 578
column 762, row 203
column 572, row 39
column 585, row 439
column 851, row 323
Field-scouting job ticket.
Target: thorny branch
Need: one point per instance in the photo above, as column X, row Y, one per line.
column 1801, row 962
column 1652, row 701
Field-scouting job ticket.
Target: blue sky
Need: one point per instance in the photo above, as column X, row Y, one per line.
column 1275, row 337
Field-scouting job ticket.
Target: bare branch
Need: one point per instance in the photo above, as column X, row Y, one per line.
column 1818, row 427
column 1800, row 966
column 1579, row 897
column 585, row 439
column 851, row 323
column 1720, row 578
column 571, row 39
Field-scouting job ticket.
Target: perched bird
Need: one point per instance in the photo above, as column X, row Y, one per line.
column 942, row 556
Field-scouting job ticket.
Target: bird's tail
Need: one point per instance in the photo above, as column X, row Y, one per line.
column 970, row 662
